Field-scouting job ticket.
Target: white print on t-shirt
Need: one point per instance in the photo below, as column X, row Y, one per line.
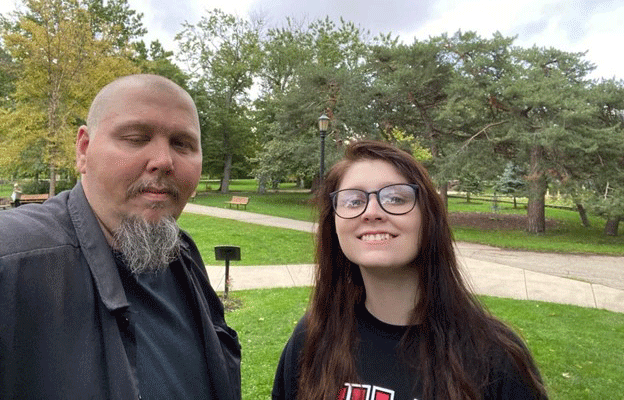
column 354, row 391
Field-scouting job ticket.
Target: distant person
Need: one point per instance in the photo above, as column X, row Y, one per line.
column 390, row 317
column 16, row 195
column 102, row 296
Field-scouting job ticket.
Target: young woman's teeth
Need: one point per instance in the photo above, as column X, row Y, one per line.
column 376, row 237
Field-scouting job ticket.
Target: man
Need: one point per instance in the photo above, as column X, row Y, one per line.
column 101, row 295
column 16, row 195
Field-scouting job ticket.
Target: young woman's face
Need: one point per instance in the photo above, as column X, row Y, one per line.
column 377, row 239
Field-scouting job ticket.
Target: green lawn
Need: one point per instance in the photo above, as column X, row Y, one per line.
column 260, row 245
column 579, row 350
column 6, row 189
column 569, row 235
column 287, row 204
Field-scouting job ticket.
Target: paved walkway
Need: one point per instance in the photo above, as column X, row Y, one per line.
column 584, row 280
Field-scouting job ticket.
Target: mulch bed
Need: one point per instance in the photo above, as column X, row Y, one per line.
column 492, row 221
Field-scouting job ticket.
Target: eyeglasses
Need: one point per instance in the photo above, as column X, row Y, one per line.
column 395, row 199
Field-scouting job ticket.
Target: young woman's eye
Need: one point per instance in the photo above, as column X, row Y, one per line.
column 394, row 200
column 352, row 203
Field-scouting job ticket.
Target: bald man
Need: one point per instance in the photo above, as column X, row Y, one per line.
column 101, row 295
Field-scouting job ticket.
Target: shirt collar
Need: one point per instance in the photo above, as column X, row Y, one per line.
column 96, row 251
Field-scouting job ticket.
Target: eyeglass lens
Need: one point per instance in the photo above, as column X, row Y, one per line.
column 394, row 199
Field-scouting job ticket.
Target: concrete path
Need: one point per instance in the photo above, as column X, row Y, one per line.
column 584, row 280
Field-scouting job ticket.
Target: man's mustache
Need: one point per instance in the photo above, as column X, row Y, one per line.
column 159, row 185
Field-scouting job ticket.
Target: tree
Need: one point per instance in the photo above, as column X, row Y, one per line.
column 223, row 54
column 602, row 183
column 511, row 182
column 407, row 92
column 158, row 61
column 118, row 15
column 62, row 65
column 319, row 71
column 531, row 105
column 470, row 183
column 475, row 64
column 8, row 76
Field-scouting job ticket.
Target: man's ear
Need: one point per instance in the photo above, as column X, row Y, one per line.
column 82, row 144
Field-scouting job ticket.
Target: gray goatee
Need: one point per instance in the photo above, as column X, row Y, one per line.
column 145, row 246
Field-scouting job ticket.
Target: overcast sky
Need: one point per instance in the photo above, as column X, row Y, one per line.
column 596, row 26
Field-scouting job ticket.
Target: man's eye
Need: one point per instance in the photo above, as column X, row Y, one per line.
column 137, row 139
column 183, row 145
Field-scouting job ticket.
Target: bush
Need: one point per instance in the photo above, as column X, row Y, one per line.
column 43, row 186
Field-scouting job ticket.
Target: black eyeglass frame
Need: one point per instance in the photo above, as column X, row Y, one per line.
column 414, row 186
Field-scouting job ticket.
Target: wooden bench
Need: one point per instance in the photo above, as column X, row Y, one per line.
column 33, row 198
column 238, row 201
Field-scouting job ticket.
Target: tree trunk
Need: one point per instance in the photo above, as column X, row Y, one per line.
column 612, row 225
column 52, row 190
column 444, row 194
column 262, row 186
column 583, row 214
column 227, row 171
column 536, row 217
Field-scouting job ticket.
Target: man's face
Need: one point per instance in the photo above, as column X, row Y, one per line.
column 144, row 158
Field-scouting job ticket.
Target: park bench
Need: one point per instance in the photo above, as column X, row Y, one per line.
column 238, row 201
column 33, row 198
column 5, row 203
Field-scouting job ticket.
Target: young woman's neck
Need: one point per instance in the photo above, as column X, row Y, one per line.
column 391, row 294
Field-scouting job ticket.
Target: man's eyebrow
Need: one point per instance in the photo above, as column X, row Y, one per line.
column 135, row 125
column 144, row 127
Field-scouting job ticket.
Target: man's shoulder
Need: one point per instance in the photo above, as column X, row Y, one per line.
column 36, row 226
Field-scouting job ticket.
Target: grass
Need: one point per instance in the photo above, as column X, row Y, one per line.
column 260, row 245
column 287, row 204
column 569, row 236
column 578, row 350
column 264, row 324
column 6, row 189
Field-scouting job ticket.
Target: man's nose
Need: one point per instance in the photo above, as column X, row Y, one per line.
column 160, row 157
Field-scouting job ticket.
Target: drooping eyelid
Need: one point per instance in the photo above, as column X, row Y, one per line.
column 134, row 128
column 138, row 129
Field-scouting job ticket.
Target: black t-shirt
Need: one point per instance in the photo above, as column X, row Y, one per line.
column 383, row 374
column 170, row 358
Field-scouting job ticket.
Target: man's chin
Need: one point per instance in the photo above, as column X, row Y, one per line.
column 156, row 215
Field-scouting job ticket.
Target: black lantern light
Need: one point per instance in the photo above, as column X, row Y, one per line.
column 323, row 122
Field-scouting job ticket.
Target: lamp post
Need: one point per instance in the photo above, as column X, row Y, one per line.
column 323, row 122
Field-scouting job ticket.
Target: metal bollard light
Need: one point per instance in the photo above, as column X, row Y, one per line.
column 227, row 253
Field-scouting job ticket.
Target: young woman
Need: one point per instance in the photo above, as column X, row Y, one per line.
column 390, row 317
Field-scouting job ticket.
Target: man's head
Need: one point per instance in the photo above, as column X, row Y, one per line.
column 139, row 154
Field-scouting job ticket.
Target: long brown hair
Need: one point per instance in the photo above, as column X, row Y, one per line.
column 455, row 355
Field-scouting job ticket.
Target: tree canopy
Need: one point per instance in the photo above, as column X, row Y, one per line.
column 63, row 57
column 480, row 110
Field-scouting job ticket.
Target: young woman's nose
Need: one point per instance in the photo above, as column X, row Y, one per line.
column 373, row 209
